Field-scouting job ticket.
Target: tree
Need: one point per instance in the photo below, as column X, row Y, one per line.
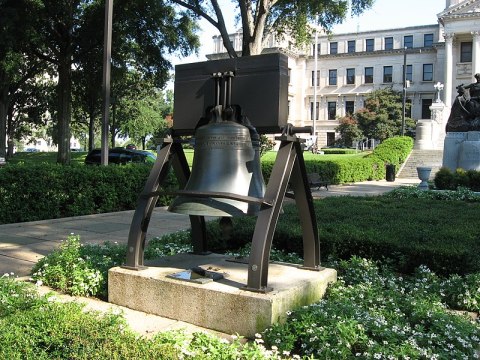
column 349, row 131
column 260, row 18
column 17, row 65
column 381, row 116
column 69, row 30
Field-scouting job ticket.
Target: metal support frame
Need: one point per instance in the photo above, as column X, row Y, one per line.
column 171, row 153
column 289, row 166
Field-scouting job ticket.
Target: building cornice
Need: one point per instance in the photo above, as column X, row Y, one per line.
column 424, row 50
column 457, row 12
column 382, row 31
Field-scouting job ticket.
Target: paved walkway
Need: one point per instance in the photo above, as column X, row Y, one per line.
column 23, row 244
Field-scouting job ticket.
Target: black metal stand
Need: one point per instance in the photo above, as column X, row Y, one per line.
column 289, row 167
column 171, row 153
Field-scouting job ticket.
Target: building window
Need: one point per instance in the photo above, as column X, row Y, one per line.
column 369, row 75
column 466, row 52
column 332, row 77
column 428, row 40
column 408, row 41
column 351, row 46
column 349, row 107
column 369, row 45
column 316, row 110
column 333, row 47
column 427, row 72
column 289, row 75
column 350, row 76
column 409, row 73
column 318, row 78
column 330, row 138
column 426, row 113
column 387, row 74
column 389, row 43
column 332, row 110
column 313, row 49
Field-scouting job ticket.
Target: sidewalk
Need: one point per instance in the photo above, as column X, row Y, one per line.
column 23, row 244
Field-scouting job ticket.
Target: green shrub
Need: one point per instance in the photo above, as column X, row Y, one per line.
column 338, row 151
column 48, row 191
column 409, row 231
column 446, row 180
column 393, row 150
column 371, row 167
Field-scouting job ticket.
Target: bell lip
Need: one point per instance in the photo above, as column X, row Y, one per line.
column 208, row 207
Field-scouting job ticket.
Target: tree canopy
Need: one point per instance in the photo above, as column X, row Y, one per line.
column 67, row 36
column 381, row 116
column 260, row 18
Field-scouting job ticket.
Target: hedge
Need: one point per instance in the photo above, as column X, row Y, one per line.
column 342, row 151
column 371, row 167
column 448, row 180
column 49, row 191
column 406, row 233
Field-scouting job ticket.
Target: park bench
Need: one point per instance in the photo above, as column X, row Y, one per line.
column 315, row 181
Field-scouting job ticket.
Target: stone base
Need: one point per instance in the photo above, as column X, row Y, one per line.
column 219, row 305
column 462, row 150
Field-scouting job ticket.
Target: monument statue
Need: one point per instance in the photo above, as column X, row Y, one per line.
column 465, row 113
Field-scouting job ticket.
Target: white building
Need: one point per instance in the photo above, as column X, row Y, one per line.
column 351, row 65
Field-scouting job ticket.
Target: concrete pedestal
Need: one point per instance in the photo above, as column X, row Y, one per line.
column 426, row 133
column 462, row 150
column 220, row 305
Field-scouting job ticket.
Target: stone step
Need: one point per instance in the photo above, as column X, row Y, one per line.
column 429, row 158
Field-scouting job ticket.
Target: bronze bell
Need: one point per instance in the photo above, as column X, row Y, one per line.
column 226, row 161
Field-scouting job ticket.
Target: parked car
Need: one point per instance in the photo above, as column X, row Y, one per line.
column 32, row 150
column 131, row 147
column 120, row 156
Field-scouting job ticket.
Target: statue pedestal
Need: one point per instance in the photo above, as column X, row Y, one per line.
column 430, row 133
column 462, row 150
column 426, row 132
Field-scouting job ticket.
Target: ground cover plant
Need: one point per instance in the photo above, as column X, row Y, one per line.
column 372, row 312
column 39, row 327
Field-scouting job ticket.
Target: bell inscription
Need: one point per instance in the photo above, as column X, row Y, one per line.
column 222, row 141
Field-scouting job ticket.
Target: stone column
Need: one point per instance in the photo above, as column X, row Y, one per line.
column 448, row 69
column 476, row 52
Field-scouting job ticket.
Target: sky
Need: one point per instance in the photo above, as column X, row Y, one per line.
column 384, row 14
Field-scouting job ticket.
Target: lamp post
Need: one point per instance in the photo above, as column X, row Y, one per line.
column 107, row 46
column 315, row 84
column 404, row 100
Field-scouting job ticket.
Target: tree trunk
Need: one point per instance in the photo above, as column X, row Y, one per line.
column 10, row 131
column 3, row 120
column 253, row 26
column 91, row 130
column 64, row 110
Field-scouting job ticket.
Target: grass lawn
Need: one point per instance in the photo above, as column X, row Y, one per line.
column 271, row 155
column 77, row 157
